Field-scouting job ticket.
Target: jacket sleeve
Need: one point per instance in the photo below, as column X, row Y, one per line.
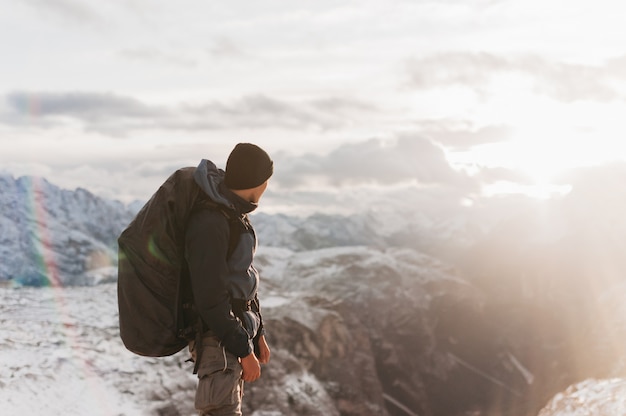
column 206, row 246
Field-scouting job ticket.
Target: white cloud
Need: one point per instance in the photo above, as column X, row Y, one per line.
column 461, row 134
column 562, row 81
column 72, row 10
column 406, row 159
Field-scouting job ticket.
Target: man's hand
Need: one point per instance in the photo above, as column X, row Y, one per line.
column 251, row 368
column 264, row 350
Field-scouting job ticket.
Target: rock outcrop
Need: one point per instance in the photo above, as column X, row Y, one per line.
column 361, row 322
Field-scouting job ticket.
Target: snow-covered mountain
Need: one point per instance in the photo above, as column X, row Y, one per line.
column 487, row 311
column 50, row 233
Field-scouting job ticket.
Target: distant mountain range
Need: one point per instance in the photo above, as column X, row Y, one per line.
column 71, row 236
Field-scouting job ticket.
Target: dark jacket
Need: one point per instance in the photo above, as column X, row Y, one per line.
column 223, row 286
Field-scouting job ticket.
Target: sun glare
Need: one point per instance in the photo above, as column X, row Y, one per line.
column 539, row 156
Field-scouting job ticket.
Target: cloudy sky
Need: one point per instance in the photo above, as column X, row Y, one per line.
column 478, row 96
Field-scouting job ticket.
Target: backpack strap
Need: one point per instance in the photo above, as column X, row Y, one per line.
column 235, row 224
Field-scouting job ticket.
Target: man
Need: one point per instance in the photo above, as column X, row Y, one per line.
column 224, row 280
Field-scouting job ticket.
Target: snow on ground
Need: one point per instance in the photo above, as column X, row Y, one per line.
column 590, row 398
column 60, row 352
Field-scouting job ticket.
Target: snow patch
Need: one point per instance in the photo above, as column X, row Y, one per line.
column 590, row 397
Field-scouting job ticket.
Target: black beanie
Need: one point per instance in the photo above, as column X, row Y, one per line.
column 248, row 166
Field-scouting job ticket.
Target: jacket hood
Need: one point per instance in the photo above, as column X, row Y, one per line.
column 208, row 177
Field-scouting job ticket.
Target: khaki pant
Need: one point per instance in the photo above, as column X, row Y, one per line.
column 220, row 387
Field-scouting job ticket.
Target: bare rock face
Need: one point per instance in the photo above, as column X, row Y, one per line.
column 318, row 345
column 354, row 327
